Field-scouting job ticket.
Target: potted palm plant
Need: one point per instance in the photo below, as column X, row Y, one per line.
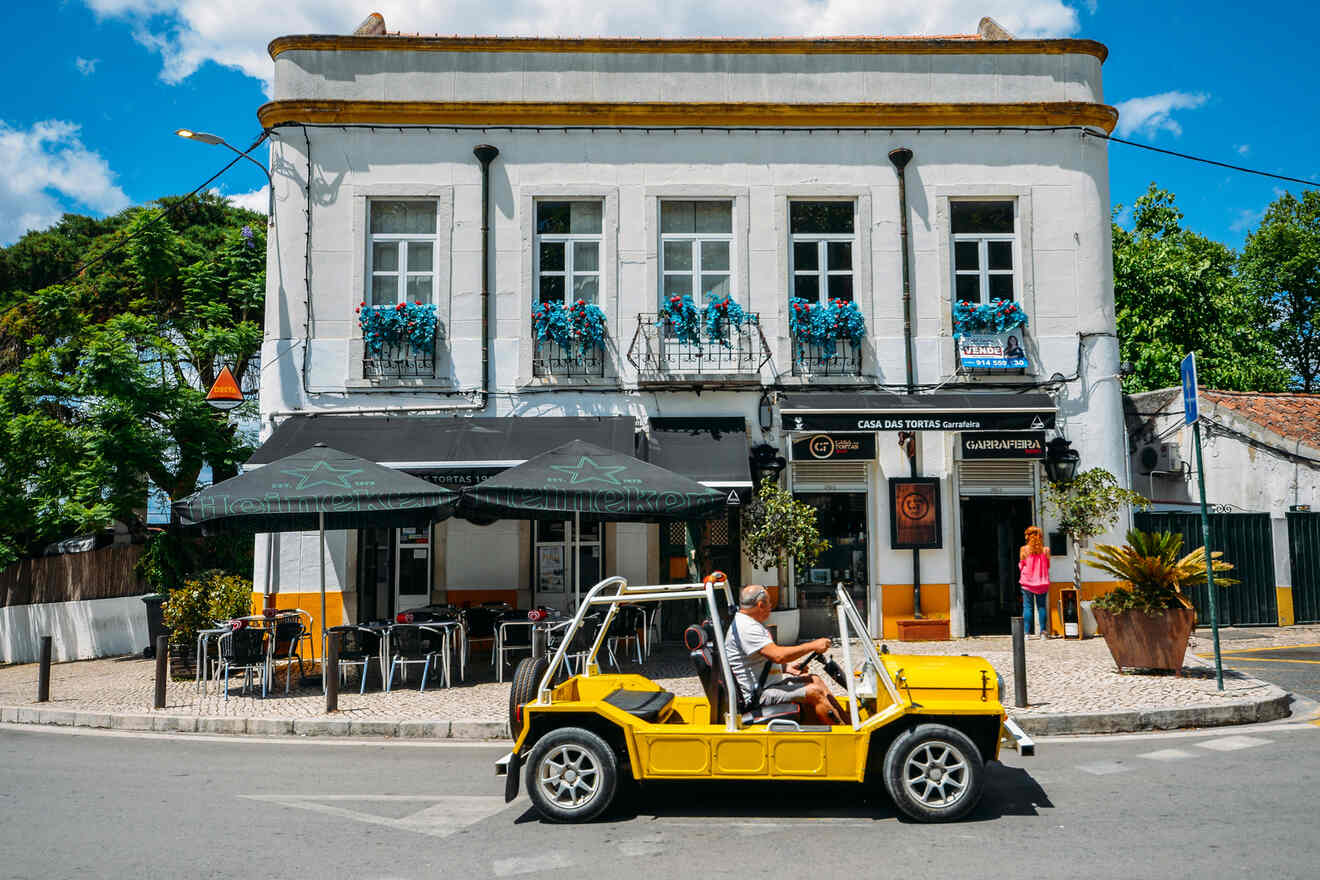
column 1147, row 620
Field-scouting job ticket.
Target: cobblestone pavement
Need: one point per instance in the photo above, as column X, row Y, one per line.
column 1063, row 676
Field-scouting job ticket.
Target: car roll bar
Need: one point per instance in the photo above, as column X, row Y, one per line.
column 623, row 593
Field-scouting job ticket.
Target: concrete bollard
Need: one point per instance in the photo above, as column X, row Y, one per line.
column 332, row 673
column 162, row 669
column 43, row 672
column 1019, row 664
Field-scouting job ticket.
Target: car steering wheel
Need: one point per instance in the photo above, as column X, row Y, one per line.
column 832, row 669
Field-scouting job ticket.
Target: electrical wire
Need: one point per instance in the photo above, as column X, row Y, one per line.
column 1245, row 170
column 163, row 214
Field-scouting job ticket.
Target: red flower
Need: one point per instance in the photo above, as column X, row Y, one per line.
column 418, row 303
column 362, row 303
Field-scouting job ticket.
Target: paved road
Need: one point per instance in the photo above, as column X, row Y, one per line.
column 1294, row 668
column 91, row 804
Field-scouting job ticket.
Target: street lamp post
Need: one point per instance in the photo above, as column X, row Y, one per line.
column 203, row 137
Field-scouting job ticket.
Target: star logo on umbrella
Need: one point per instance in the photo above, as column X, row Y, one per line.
column 322, row 474
column 587, row 470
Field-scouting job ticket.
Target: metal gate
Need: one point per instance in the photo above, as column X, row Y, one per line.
column 1246, row 542
column 1304, row 553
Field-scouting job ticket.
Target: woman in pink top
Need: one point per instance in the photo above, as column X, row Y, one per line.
column 1034, row 565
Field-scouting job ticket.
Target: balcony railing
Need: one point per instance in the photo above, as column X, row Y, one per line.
column 659, row 353
column 552, row 359
column 813, row 359
column 399, row 360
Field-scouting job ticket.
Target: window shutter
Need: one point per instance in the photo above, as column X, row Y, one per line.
column 829, row 476
column 996, row 477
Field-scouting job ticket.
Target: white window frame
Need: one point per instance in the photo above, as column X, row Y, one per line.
column 401, row 239
column 983, row 240
column 695, row 272
column 568, row 273
column 822, row 241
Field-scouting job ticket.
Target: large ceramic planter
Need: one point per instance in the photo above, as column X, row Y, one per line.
column 1138, row 640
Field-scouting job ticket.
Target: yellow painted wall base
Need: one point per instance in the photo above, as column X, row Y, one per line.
column 896, row 605
column 1284, row 598
column 311, row 603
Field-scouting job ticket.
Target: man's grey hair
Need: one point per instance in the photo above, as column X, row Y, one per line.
column 750, row 595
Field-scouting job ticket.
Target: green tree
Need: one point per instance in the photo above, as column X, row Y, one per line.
column 1088, row 506
column 103, row 378
column 1281, row 261
column 778, row 529
column 1175, row 292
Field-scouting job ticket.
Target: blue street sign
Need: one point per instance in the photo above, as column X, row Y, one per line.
column 1188, row 370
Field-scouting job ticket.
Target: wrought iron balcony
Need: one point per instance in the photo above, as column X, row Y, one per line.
column 813, row 359
column 549, row 358
column 399, row 360
column 660, row 354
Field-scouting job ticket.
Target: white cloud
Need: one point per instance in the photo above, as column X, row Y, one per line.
column 257, row 200
column 1246, row 219
column 1243, row 149
column 44, row 167
column 1153, row 114
column 86, row 66
column 189, row 33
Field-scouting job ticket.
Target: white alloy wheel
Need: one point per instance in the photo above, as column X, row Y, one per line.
column 936, row 774
column 568, row 776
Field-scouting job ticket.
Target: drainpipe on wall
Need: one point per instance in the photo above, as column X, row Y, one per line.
column 900, row 157
column 485, row 154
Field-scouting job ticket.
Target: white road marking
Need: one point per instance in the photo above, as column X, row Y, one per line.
column 531, row 864
column 653, row 845
column 1267, row 727
column 1233, row 743
column 244, row 739
column 1167, row 755
column 439, row 815
column 1104, row 768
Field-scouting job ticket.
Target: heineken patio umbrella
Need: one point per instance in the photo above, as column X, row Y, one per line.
column 319, row 488
column 581, row 478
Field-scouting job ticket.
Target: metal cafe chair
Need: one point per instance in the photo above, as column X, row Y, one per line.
column 291, row 629
column 244, row 648
column 478, row 625
column 575, row 657
column 628, row 626
column 358, row 646
column 512, row 635
column 418, row 643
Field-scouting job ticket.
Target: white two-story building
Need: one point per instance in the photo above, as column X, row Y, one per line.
column 487, row 176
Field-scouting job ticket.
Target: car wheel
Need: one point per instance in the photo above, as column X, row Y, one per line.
column 572, row 775
column 526, row 678
column 934, row 773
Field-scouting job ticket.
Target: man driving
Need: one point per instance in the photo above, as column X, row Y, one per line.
column 749, row 650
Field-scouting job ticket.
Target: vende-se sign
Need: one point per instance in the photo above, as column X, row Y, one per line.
column 834, row 447
column 1003, row 444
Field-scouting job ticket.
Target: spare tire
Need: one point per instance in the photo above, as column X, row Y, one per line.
column 526, row 678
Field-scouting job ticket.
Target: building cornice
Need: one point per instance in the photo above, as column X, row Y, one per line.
column 691, row 46
column 688, row 114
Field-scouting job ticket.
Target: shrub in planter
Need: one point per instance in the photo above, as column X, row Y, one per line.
column 1146, row 621
column 777, row 529
column 197, row 605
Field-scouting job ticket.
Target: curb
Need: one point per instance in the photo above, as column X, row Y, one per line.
column 1270, row 707
column 470, row 731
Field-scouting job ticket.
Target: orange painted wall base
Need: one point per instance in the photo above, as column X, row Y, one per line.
column 311, row 603
column 923, row 630
column 896, row 605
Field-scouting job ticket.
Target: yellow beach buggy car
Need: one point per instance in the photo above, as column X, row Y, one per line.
column 923, row 725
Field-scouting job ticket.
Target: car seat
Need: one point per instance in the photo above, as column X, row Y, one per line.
column 700, row 641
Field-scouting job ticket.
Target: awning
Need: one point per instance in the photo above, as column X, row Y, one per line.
column 452, row 451
column 711, row 451
column 890, row 411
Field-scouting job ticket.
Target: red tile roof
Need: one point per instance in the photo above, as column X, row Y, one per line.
column 1295, row 416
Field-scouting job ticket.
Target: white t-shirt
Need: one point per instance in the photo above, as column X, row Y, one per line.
column 748, row 663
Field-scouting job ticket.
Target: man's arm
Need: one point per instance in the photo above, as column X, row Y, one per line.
column 785, row 654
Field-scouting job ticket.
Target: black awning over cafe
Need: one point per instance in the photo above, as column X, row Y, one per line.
column 711, row 451
column 891, row 411
column 453, row 451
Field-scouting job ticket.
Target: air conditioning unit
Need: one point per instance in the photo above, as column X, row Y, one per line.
column 1161, row 458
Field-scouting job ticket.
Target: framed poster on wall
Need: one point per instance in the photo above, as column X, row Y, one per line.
column 550, row 568
column 914, row 513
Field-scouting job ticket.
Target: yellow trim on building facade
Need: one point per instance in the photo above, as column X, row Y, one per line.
column 1284, row 603
column 688, row 114
column 688, row 46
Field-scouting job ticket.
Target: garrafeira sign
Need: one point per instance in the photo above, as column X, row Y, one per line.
column 1003, row 444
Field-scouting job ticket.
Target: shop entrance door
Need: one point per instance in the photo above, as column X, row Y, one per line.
column 992, row 532
column 841, row 517
column 394, row 571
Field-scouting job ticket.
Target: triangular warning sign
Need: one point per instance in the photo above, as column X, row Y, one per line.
column 1036, row 422
column 224, row 393
column 733, row 498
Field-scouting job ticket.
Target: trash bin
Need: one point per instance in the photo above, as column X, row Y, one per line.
column 155, row 621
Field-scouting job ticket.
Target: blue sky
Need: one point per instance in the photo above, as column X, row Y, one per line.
column 99, row 86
